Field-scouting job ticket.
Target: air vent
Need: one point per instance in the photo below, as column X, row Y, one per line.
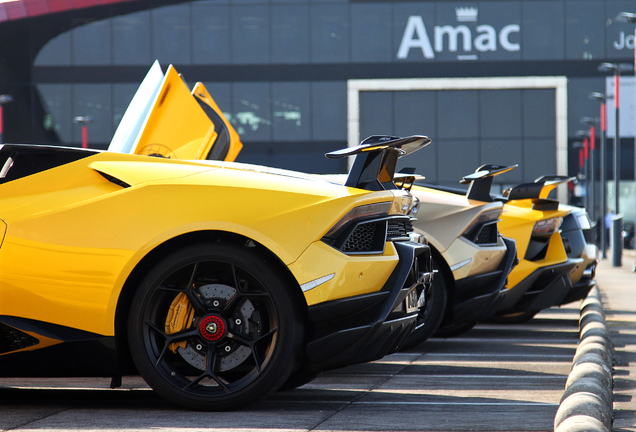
column 12, row 339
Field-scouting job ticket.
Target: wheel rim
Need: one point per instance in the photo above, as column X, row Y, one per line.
column 210, row 328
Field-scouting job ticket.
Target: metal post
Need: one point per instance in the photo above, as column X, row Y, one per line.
column 84, row 121
column 617, row 142
column 603, row 178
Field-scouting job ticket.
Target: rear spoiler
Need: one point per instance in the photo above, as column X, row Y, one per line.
column 481, row 181
column 538, row 191
column 376, row 159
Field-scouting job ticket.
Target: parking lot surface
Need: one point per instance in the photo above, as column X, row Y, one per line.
column 492, row 378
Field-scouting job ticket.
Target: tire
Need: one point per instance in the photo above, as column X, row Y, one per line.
column 452, row 330
column 514, row 318
column 432, row 314
column 214, row 327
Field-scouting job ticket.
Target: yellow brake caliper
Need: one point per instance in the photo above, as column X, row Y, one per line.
column 180, row 317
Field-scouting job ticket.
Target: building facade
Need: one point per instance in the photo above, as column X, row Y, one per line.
column 285, row 73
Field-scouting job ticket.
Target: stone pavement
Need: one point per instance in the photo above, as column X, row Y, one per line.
column 617, row 286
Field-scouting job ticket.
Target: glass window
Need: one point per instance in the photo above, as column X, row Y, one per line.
column 371, row 33
column 458, row 114
column 171, row 34
column 539, row 114
column 56, row 100
column 291, row 111
column 251, row 108
column 375, row 113
column 56, row 52
column 414, row 113
column 584, row 30
column 503, row 152
column 93, row 100
column 500, row 113
column 538, row 158
column 290, row 37
column 329, row 110
column 543, row 35
column 250, row 34
column 452, row 168
column 579, row 103
column 91, row 44
column 210, row 34
column 131, row 39
column 330, row 33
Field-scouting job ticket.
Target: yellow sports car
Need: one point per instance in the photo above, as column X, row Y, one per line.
column 556, row 264
column 217, row 282
column 471, row 258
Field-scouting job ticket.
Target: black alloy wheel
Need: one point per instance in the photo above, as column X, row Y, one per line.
column 214, row 327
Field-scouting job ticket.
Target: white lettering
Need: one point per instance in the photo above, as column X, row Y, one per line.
column 620, row 43
column 504, row 35
column 624, row 42
column 487, row 39
column 452, row 33
column 415, row 37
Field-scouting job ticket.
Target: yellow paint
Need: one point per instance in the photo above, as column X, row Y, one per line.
column 72, row 237
column 355, row 274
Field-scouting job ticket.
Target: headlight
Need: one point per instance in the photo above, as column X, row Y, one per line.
column 361, row 212
column 547, row 226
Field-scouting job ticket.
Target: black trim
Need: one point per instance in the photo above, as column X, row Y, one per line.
column 22, row 160
column 543, row 288
column 221, row 145
column 80, row 353
column 376, row 331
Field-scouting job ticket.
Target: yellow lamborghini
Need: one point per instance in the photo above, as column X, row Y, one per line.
column 217, row 282
column 556, row 264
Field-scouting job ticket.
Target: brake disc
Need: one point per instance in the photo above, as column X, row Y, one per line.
column 245, row 319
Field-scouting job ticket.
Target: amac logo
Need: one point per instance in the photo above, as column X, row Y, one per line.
column 416, row 36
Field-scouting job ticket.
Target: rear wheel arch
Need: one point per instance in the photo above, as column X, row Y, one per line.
column 163, row 250
column 444, row 271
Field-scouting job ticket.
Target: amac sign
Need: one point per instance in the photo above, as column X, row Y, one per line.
column 486, row 38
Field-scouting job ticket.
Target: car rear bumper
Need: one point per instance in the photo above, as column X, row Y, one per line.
column 478, row 297
column 544, row 288
column 368, row 327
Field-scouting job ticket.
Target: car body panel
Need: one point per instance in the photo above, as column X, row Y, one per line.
column 57, row 227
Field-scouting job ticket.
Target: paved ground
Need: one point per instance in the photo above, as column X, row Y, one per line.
column 493, row 378
column 618, row 291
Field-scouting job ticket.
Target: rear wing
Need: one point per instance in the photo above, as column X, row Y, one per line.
column 376, row 159
column 481, row 181
column 538, row 191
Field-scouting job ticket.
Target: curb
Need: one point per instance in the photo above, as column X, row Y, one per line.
column 587, row 404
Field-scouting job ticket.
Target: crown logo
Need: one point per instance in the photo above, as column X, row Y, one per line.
column 465, row 14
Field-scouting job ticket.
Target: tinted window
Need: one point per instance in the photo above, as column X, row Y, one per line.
column 131, row 39
column 210, row 34
column 329, row 111
column 250, row 34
